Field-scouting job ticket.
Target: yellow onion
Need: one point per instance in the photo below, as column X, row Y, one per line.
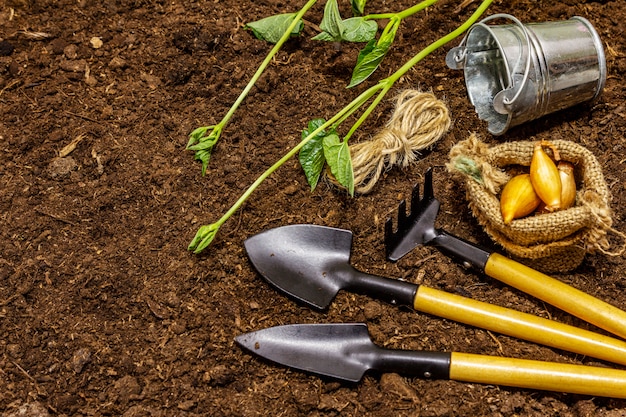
column 518, row 198
column 545, row 177
column 568, row 184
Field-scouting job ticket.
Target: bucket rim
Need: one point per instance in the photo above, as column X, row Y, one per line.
column 488, row 28
column 600, row 50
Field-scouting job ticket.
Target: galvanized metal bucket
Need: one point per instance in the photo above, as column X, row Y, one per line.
column 518, row 72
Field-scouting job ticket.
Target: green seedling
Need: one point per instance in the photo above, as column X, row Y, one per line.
column 326, row 133
column 329, row 148
column 279, row 28
column 203, row 139
column 364, row 29
column 360, row 29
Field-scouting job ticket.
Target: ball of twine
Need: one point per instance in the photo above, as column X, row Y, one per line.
column 418, row 121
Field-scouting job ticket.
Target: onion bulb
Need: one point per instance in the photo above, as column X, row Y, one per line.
column 568, row 184
column 545, row 177
column 518, row 198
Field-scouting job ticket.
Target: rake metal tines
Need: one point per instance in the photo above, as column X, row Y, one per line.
column 418, row 226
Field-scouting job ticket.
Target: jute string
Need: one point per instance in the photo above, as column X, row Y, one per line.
column 597, row 239
column 418, row 121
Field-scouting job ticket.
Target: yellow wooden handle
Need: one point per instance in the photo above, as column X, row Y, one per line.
column 530, row 374
column 557, row 293
column 521, row 325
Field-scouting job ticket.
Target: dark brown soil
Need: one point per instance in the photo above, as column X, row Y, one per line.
column 103, row 311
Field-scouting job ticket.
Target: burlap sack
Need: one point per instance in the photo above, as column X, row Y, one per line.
column 552, row 242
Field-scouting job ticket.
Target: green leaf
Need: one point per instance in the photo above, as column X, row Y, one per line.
column 203, row 144
column 207, row 143
column 357, row 29
column 370, row 58
column 313, row 126
column 331, row 23
column 359, row 70
column 272, row 28
column 311, row 156
column 337, row 155
column 197, row 134
column 203, row 238
column 358, row 7
column 325, row 37
column 334, row 29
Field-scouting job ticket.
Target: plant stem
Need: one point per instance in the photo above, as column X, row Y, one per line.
column 386, row 83
column 216, row 130
column 403, row 14
column 439, row 43
column 382, row 87
column 391, row 27
column 353, row 107
column 268, row 59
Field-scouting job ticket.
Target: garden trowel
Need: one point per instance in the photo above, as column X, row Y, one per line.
column 312, row 264
column 345, row 351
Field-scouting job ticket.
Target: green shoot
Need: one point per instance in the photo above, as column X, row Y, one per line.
column 364, row 29
column 334, row 29
column 203, row 139
column 358, row 7
column 317, row 129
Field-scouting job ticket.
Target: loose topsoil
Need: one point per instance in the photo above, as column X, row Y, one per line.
column 103, row 311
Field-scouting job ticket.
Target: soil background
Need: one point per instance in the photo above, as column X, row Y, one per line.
column 103, row 311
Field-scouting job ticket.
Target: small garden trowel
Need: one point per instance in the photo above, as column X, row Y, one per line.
column 312, row 264
column 345, row 351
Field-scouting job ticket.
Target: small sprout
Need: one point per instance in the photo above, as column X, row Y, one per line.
column 204, row 237
column 203, row 144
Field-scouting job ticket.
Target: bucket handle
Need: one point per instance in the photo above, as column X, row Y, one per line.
column 458, row 55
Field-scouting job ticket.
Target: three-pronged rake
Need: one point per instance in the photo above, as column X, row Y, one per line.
column 418, row 226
